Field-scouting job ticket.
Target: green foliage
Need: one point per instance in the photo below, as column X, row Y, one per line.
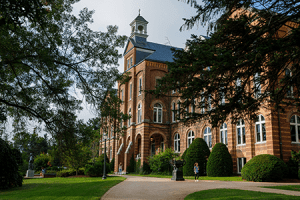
column 160, row 163
column 138, row 168
column 145, row 168
column 132, row 165
column 41, row 161
column 112, row 165
column 292, row 167
column 219, row 162
column 96, row 169
column 69, row 172
column 184, row 154
column 11, row 160
column 197, row 152
column 264, row 168
column 299, row 174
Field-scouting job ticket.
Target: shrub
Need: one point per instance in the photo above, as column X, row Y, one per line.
column 131, row 166
column 299, row 174
column 183, row 155
column 219, row 162
column 10, row 164
column 263, row 168
column 112, row 165
column 197, row 152
column 96, row 169
column 145, row 168
column 41, row 161
column 160, row 163
column 138, row 166
column 292, row 166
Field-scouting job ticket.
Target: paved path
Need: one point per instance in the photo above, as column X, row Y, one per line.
column 136, row 187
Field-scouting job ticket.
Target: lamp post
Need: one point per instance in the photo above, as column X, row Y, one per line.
column 104, row 165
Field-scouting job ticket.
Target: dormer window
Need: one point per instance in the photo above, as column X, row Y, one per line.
column 129, row 63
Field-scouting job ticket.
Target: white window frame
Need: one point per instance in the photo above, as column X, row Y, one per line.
column 260, row 123
column 209, row 102
column 139, row 113
column 190, row 138
column 241, row 161
column 129, row 115
column 173, row 112
column 177, row 143
column 240, row 129
column 156, row 110
column 130, row 91
column 296, row 126
column 207, row 136
column 140, row 86
column 223, row 134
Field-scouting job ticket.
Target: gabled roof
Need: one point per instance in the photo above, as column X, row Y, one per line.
column 161, row 53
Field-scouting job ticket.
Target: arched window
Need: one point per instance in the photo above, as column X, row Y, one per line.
column 129, row 115
column 289, row 87
column 177, row 143
column 190, row 138
column 260, row 129
column 157, row 112
column 173, row 113
column 240, row 131
column 139, row 113
column 295, row 128
column 207, row 137
column 223, row 133
column 257, row 86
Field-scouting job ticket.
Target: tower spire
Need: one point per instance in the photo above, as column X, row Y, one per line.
column 139, row 12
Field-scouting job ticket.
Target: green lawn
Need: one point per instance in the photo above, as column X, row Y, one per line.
column 285, row 187
column 62, row 188
column 217, row 194
column 231, row 178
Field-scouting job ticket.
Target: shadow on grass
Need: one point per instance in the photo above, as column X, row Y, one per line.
column 62, row 188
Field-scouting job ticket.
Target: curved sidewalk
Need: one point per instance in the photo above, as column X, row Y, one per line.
column 136, row 187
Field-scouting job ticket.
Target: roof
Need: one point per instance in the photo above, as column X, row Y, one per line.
column 140, row 18
column 162, row 53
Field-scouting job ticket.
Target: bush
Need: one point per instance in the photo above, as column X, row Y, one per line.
column 69, row 172
column 292, row 166
column 131, row 166
column 112, row 165
column 145, row 168
column 41, row 161
column 299, row 174
column 96, row 169
column 264, row 168
column 10, row 165
column 183, row 155
column 138, row 167
column 197, row 152
column 161, row 163
column 219, row 162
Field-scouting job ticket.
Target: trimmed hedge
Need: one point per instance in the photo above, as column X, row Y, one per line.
column 132, row 164
column 145, row 168
column 197, row 152
column 219, row 162
column 264, row 168
column 292, row 166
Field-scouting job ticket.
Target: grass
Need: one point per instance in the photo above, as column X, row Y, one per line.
column 62, row 188
column 231, row 178
column 285, row 187
column 218, row 194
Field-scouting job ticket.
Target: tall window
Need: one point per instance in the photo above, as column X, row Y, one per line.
column 209, row 102
column 129, row 62
column 177, row 142
column 140, row 86
column 295, row 128
column 222, row 96
column 223, row 133
column 130, row 91
column 139, row 113
column 238, row 86
column 240, row 164
column 157, row 112
column 193, row 106
column 129, row 115
column 110, row 153
column 190, row 139
column 173, row 112
column 187, row 109
column 289, row 88
column 240, row 131
column 178, row 110
column 202, row 103
column 260, row 129
column 257, row 86
column 207, row 137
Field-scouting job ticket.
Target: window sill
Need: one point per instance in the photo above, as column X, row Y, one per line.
column 241, row 145
column 295, row 142
column 264, row 142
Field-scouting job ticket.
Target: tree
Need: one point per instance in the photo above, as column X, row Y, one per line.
column 47, row 55
column 250, row 60
column 219, row 162
column 197, row 152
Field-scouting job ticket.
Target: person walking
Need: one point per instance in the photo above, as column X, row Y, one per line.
column 196, row 171
column 120, row 168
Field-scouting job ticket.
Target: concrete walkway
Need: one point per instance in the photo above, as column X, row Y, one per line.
column 135, row 187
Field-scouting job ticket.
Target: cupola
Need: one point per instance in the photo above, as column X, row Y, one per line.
column 139, row 29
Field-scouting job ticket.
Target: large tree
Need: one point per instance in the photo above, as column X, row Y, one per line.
column 47, row 56
column 247, row 62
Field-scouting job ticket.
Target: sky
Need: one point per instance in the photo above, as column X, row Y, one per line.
column 164, row 17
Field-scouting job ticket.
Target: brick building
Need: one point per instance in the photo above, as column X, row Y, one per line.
column 153, row 125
